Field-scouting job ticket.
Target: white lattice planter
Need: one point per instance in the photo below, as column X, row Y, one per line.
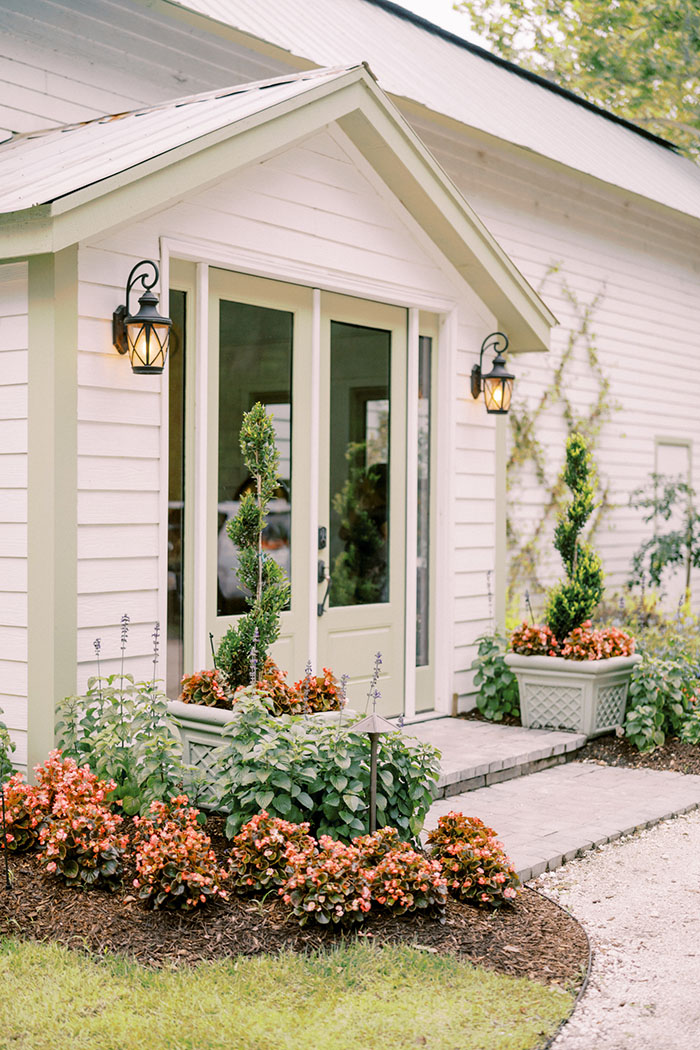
column 584, row 696
column 201, row 728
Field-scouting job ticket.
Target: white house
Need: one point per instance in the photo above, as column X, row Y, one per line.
column 335, row 239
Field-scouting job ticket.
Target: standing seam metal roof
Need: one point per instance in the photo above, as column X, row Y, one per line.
column 40, row 167
column 450, row 77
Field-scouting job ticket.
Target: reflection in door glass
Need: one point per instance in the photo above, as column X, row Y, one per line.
column 423, row 553
column 176, row 494
column 255, row 364
column 359, row 464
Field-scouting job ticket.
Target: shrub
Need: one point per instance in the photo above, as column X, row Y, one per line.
column 175, row 865
column 473, row 860
column 204, row 687
column 300, row 771
column 662, row 699
column 23, row 814
column 319, row 692
column 498, row 694
column 330, row 886
column 122, row 729
column 258, row 857
column 574, row 600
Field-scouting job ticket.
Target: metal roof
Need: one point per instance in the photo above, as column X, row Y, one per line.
column 414, row 60
column 42, row 166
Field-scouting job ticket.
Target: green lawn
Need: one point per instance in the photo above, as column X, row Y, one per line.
column 351, row 998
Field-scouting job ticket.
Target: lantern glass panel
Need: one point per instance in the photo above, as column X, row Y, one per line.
column 497, row 394
column 148, row 346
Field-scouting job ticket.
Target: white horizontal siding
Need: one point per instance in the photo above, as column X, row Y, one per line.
column 645, row 265
column 13, row 502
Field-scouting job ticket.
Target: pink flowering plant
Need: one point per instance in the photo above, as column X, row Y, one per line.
column 582, row 643
column 23, row 815
column 259, row 853
column 175, row 864
column 473, row 861
column 405, row 881
column 329, row 887
column 80, row 836
column 204, row 687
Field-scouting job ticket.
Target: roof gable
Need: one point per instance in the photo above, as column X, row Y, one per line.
column 133, row 164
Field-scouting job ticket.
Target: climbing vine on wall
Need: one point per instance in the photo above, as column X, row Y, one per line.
column 528, row 453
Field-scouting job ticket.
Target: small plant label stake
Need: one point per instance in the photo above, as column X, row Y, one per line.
column 374, row 726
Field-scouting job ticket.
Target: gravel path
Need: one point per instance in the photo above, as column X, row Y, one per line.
column 639, row 901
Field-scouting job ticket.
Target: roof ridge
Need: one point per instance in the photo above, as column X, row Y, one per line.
column 186, row 100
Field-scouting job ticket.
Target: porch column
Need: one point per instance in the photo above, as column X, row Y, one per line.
column 52, row 507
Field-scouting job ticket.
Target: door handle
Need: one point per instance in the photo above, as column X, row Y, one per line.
column 321, row 607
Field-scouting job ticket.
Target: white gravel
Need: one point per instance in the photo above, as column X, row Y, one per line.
column 639, row 901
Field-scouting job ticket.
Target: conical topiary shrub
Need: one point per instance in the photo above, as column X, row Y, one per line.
column 264, row 580
column 574, row 600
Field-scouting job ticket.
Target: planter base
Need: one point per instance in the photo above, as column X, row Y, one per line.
column 587, row 696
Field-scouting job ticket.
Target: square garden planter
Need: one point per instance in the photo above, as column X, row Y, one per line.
column 201, row 728
column 583, row 696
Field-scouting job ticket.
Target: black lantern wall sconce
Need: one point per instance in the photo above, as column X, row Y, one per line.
column 498, row 383
column 145, row 335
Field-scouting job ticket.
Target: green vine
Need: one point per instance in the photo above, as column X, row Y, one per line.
column 528, row 452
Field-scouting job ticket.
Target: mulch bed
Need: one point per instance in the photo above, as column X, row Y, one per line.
column 534, row 938
column 617, row 751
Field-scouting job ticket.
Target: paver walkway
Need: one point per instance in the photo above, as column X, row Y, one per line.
column 547, row 817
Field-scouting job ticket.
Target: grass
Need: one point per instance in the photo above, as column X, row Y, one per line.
column 350, row 998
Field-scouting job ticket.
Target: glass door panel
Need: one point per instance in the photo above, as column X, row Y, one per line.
column 260, row 343
column 362, row 491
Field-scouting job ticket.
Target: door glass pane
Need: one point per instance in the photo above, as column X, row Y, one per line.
column 255, row 364
column 359, row 464
column 176, row 493
column 423, row 553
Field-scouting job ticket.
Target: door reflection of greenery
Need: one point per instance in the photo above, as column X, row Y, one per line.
column 360, row 569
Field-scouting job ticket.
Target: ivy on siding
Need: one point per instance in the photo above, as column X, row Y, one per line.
column 527, row 451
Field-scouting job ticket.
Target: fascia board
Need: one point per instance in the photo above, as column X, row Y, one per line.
column 404, row 163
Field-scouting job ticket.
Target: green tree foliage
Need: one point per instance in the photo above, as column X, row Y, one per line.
column 640, row 59
column 666, row 550
column 574, row 600
column 259, row 573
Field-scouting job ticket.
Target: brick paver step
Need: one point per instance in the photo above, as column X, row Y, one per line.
column 551, row 816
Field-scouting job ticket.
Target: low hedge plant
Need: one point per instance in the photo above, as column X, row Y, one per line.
column 258, row 857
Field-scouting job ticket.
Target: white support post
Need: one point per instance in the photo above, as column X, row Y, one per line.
column 446, row 417
column 164, row 453
column 201, row 468
column 411, row 552
column 314, row 424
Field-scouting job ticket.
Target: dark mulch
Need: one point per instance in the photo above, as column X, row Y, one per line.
column 534, row 938
column 617, row 751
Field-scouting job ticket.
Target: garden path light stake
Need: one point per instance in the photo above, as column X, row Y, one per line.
column 374, row 725
column 8, row 884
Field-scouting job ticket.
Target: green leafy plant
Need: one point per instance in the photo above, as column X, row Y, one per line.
column 299, row 771
column 662, row 699
column 259, row 574
column 258, row 857
column 666, row 551
column 122, row 729
column 473, row 861
column 574, row 600
column 176, row 867
column 497, row 686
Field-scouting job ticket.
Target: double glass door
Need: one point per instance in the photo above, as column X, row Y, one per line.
column 332, row 372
